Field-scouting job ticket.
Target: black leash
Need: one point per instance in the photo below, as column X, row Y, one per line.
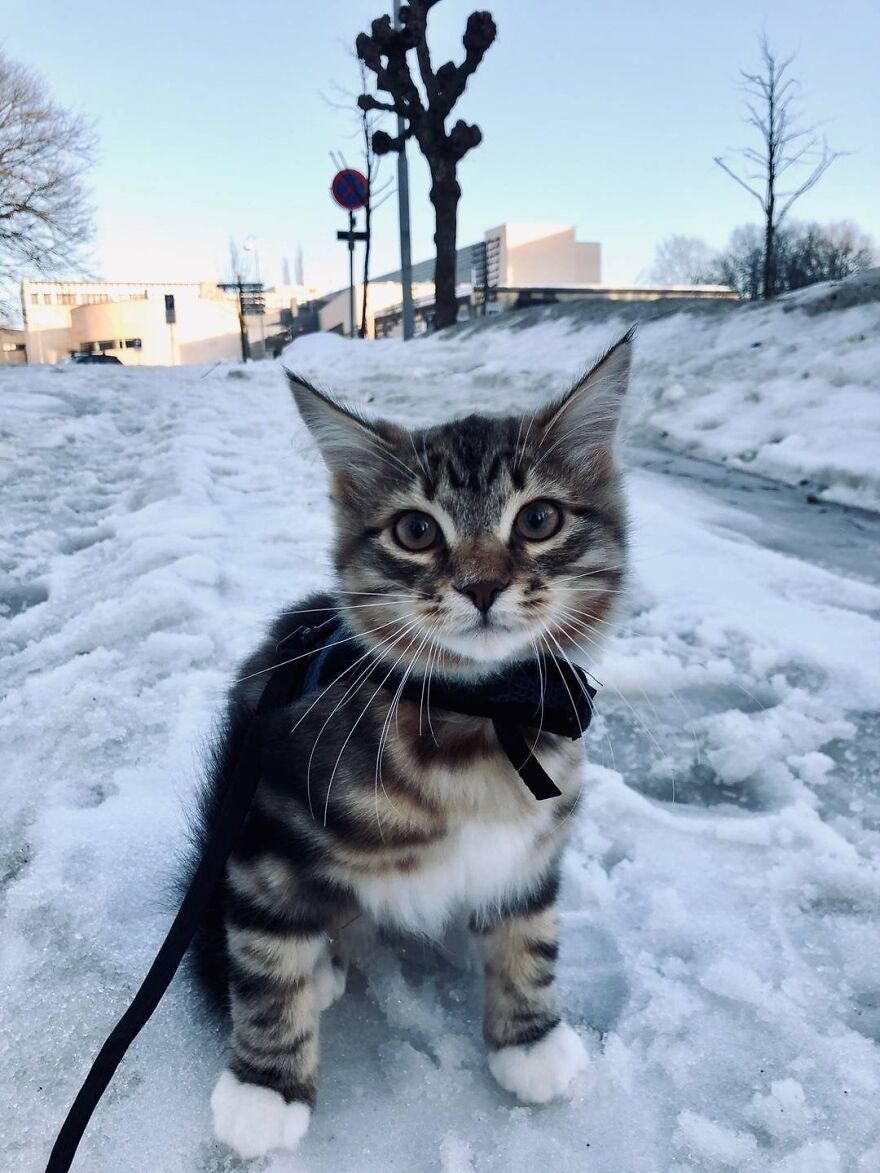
column 208, row 874
column 508, row 699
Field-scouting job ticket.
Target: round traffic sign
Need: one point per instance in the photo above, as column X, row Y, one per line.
column 350, row 188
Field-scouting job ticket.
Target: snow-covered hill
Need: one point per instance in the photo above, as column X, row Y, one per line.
column 790, row 390
column 722, row 891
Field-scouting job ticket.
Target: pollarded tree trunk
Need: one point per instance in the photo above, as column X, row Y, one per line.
column 445, row 194
column 769, row 282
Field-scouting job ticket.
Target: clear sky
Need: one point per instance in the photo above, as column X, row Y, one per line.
column 216, row 120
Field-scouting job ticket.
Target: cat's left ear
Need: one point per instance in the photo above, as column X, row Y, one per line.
column 586, row 418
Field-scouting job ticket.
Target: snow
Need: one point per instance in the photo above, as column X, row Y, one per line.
column 719, row 953
column 788, row 390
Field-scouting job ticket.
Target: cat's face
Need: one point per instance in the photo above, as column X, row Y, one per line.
column 484, row 539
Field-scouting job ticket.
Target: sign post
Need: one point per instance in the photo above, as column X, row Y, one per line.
column 250, row 301
column 170, row 319
column 351, row 190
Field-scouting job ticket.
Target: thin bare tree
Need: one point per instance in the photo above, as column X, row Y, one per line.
column 681, row 260
column 367, row 122
column 377, row 193
column 385, row 52
column 45, row 151
column 772, row 95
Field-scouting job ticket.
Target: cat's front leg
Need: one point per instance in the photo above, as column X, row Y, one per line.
column 279, row 971
column 532, row 1052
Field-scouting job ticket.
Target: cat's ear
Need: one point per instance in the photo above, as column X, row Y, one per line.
column 352, row 447
column 586, row 418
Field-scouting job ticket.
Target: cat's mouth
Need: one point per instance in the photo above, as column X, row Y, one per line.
column 486, row 640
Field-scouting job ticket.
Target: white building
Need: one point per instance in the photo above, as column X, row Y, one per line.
column 129, row 320
column 335, row 314
column 522, row 255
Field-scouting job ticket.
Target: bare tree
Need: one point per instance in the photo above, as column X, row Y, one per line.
column 384, row 51
column 805, row 254
column 377, row 193
column 45, row 150
column 785, row 144
column 681, row 260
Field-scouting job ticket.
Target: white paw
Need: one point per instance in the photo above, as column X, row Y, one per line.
column 542, row 1071
column 254, row 1120
column 329, row 982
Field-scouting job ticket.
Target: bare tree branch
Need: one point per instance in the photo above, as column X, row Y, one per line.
column 45, row 151
column 785, row 145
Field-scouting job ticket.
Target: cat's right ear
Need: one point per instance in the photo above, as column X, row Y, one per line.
column 353, row 448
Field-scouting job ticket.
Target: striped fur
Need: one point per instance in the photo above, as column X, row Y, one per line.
column 378, row 807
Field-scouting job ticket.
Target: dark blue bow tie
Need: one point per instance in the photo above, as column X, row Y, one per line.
column 555, row 697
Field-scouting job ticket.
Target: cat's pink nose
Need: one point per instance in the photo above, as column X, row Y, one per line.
column 483, row 594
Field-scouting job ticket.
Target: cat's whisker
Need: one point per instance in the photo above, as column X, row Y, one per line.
column 375, row 656
column 598, row 570
column 432, row 648
column 357, row 722
column 593, row 706
column 302, row 655
column 422, row 464
column 526, row 438
column 586, row 618
column 348, row 607
column 369, row 652
column 392, row 709
column 431, row 667
column 629, row 705
column 381, row 594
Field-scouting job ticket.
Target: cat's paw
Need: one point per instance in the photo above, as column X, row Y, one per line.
column 329, row 979
column 539, row 1072
column 254, row 1120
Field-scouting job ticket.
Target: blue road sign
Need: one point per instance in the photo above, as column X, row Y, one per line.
column 350, row 188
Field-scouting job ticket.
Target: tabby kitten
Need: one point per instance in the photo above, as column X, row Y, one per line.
column 458, row 549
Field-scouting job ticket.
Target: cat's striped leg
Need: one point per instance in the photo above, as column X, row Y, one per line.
column 277, row 969
column 532, row 1052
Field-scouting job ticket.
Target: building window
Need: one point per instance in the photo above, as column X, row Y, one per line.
column 47, row 299
column 111, row 344
column 133, row 344
column 35, row 299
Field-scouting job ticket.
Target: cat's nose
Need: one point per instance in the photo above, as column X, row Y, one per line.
column 483, row 594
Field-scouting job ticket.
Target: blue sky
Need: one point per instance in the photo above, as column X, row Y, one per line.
column 216, row 119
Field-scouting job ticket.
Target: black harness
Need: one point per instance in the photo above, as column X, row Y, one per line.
column 555, row 697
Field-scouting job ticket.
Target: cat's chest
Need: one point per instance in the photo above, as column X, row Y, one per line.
column 476, row 865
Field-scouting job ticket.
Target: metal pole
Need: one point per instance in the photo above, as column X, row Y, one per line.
column 242, row 323
column 351, row 273
column 263, row 314
column 403, row 216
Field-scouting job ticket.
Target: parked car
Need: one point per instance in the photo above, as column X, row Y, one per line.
column 90, row 358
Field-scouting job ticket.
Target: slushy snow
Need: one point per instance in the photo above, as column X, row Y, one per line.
column 719, row 936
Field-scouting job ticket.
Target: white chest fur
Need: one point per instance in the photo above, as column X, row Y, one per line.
column 478, row 864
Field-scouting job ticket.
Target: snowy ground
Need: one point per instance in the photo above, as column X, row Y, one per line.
column 789, row 390
column 722, row 891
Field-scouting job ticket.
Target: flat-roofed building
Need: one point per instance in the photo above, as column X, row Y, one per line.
column 519, row 255
column 130, row 320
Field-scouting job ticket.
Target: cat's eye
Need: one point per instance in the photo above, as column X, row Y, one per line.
column 416, row 531
column 538, row 521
